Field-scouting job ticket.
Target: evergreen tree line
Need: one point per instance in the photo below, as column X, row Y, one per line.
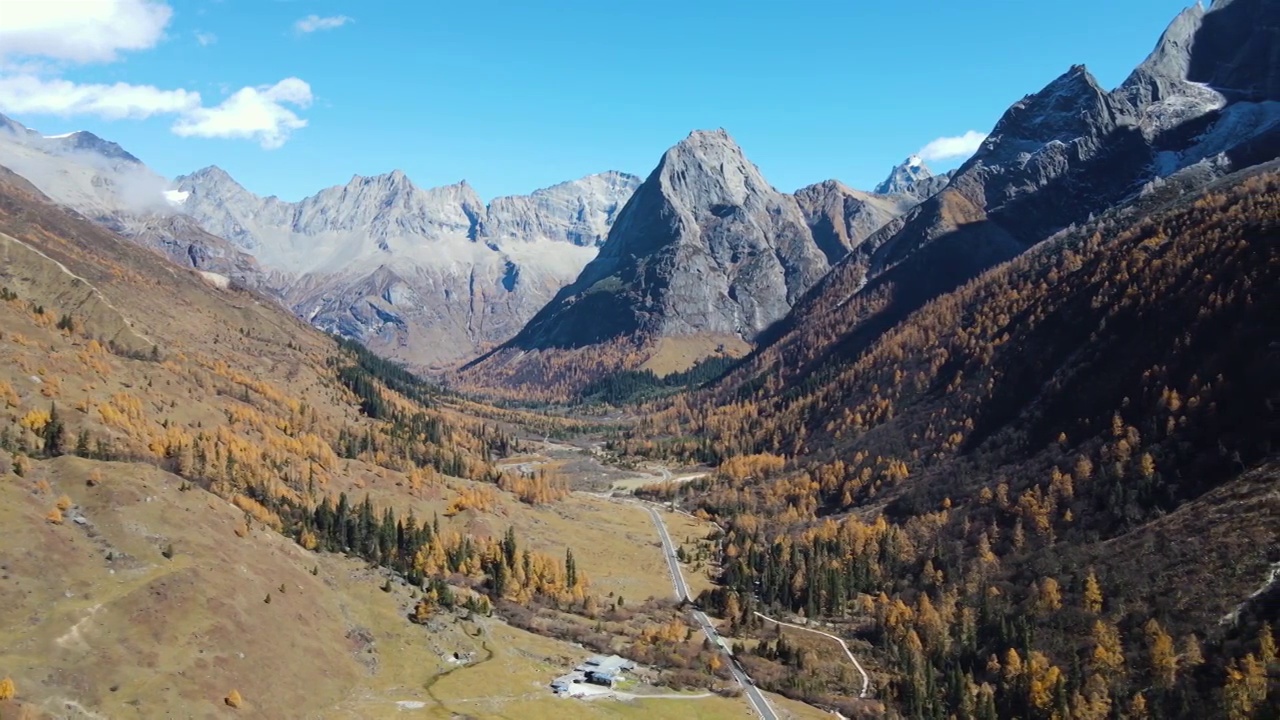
column 632, row 386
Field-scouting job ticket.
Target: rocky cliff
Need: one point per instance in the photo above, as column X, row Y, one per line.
column 425, row 275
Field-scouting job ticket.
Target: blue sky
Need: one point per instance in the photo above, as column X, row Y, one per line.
column 516, row 95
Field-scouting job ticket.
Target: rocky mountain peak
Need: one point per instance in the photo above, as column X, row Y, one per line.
column 708, row 169
column 1165, row 69
column 1159, row 90
column 85, row 141
column 578, row 211
column 211, row 174
column 705, row 247
column 903, row 178
column 1071, row 107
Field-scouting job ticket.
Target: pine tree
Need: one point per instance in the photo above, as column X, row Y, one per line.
column 82, row 444
column 1092, row 594
column 1161, row 655
column 54, row 433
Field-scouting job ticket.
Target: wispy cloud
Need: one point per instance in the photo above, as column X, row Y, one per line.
column 39, row 39
column 951, row 148
column 251, row 113
column 314, row 23
column 31, row 94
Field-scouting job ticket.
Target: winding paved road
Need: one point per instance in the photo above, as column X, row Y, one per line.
column 754, row 696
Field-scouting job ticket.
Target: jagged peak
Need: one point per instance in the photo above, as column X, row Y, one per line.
column 210, row 176
column 904, row 176
column 1076, row 75
column 209, row 172
column 702, row 143
column 1060, row 111
column 715, row 134
column 77, row 141
column 395, row 177
column 826, row 186
column 610, row 178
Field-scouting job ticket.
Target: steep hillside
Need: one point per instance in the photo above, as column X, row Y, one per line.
column 1056, row 158
column 1038, row 486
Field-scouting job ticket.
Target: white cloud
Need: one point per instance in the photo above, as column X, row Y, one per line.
column 312, row 23
column 251, row 113
column 80, row 31
column 950, row 148
column 38, row 96
column 38, row 38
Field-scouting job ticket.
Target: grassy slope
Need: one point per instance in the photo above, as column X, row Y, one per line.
column 169, row 633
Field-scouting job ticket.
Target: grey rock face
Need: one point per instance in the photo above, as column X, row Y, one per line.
column 428, row 276
column 841, row 218
column 704, row 246
column 1158, row 90
column 185, row 243
column 578, row 212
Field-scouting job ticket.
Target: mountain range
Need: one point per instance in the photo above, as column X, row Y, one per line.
column 428, row 276
column 1202, row 104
